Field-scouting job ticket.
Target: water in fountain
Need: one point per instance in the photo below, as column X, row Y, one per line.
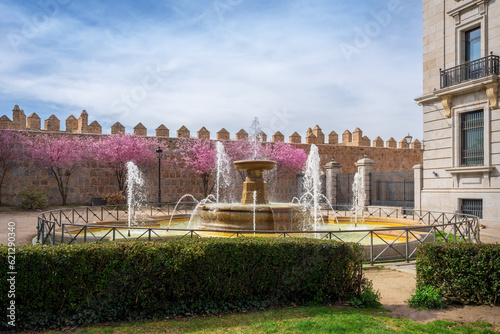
column 209, row 199
column 256, row 138
column 178, row 203
column 359, row 196
column 312, row 185
column 223, row 173
column 135, row 193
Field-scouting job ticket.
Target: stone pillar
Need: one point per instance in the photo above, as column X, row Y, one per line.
column 365, row 167
column 332, row 170
column 263, row 136
column 83, row 122
column 94, row 128
column 71, row 124
column 416, row 144
column 52, row 123
column 418, row 178
column 403, row 143
column 278, row 137
column 117, row 128
column 391, row 142
column 242, row 134
column 320, row 136
column 378, row 142
column 183, row 132
column 5, row 122
column 203, row 133
column 295, row 138
column 18, row 118
column 347, row 137
column 310, row 137
column 34, row 122
column 163, row 131
column 357, row 137
column 223, row 134
column 333, row 138
column 140, row 130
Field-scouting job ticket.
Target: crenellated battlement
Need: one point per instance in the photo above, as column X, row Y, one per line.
column 81, row 125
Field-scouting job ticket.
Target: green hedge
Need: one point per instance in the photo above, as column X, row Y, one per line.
column 465, row 273
column 100, row 282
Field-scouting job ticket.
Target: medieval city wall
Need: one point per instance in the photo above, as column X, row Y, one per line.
column 94, row 180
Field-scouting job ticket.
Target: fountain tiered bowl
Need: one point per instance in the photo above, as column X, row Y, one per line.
column 254, row 212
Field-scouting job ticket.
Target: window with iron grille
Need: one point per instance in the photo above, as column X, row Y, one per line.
column 472, row 207
column 472, row 150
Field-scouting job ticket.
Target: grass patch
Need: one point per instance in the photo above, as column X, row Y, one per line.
column 312, row 319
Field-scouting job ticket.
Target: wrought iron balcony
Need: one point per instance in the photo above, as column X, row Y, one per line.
column 470, row 70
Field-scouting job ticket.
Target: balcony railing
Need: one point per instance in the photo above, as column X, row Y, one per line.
column 470, row 70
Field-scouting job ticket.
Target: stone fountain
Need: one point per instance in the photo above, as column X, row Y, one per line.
column 254, row 212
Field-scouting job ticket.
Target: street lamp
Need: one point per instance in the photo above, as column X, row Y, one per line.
column 408, row 140
column 159, row 151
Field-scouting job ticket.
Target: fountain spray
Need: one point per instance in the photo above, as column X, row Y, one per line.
column 312, row 183
column 135, row 183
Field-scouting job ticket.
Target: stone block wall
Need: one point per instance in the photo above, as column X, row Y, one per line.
column 94, row 180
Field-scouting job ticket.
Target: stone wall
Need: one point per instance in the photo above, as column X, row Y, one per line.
column 95, row 180
column 312, row 136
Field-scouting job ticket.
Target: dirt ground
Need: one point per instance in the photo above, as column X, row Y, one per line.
column 395, row 286
column 25, row 225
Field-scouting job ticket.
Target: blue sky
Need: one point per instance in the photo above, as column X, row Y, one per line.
column 293, row 64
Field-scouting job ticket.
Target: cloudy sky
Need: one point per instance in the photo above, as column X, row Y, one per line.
column 293, row 64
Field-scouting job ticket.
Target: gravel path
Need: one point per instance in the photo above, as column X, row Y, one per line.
column 396, row 287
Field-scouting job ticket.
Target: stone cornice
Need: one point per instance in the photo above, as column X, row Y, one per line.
column 466, row 6
column 430, row 98
column 467, row 86
column 471, row 169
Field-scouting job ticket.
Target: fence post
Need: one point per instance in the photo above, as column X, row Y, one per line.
column 371, row 248
column 407, row 248
column 332, row 170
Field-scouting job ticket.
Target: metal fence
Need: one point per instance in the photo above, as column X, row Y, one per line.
column 344, row 189
column 78, row 225
column 392, row 189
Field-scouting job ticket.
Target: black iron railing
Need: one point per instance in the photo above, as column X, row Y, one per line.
column 470, row 70
column 79, row 225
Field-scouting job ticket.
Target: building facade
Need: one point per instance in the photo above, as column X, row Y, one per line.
column 461, row 139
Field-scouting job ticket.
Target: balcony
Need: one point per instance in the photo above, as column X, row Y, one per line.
column 470, row 70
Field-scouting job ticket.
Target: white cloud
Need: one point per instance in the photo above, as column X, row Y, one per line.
column 219, row 73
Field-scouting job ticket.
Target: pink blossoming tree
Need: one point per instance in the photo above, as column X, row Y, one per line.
column 198, row 155
column 61, row 155
column 117, row 150
column 12, row 145
column 289, row 159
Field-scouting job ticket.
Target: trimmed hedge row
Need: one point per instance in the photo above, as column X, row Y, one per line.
column 99, row 282
column 465, row 273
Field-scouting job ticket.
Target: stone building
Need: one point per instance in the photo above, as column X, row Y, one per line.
column 461, row 140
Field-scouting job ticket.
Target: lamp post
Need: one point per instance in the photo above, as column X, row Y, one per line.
column 408, row 140
column 159, row 151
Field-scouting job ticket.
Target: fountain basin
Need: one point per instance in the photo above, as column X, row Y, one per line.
column 274, row 217
column 251, row 165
